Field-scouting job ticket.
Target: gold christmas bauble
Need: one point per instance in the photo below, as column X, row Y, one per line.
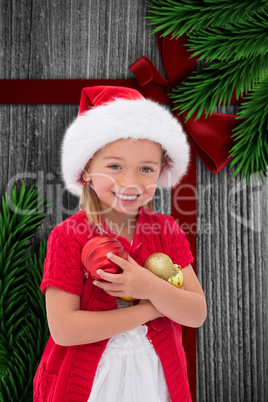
column 127, row 299
column 176, row 279
column 160, row 264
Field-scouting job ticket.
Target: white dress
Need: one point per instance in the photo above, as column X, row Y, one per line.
column 129, row 369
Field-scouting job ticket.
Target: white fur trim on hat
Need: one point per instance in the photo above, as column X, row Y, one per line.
column 122, row 119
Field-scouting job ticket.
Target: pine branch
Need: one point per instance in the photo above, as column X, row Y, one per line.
column 177, row 18
column 251, row 149
column 22, row 309
column 216, row 83
column 244, row 39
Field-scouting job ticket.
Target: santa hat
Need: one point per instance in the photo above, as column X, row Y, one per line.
column 109, row 113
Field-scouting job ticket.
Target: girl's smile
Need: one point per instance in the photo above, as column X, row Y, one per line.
column 127, row 198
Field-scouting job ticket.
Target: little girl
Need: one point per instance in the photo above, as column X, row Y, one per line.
column 102, row 348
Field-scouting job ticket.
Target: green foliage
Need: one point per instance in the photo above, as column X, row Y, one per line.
column 216, row 83
column 179, row 17
column 244, row 39
column 23, row 327
column 232, row 36
column 251, row 151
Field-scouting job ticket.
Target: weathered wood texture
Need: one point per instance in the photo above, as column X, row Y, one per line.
column 232, row 346
column 83, row 39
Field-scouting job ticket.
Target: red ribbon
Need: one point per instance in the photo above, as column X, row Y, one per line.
column 211, row 136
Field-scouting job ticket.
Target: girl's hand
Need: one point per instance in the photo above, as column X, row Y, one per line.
column 134, row 281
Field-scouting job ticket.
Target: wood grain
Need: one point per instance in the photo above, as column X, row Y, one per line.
column 232, row 267
column 82, row 39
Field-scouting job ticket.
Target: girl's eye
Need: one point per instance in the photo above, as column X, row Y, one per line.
column 146, row 169
column 115, row 167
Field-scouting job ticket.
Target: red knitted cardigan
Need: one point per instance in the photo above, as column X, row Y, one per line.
column 67, row 373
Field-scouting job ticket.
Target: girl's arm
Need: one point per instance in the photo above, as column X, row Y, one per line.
column 71, row 326
column 185, row 306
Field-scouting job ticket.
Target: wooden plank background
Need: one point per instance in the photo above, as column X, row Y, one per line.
column 82, row 39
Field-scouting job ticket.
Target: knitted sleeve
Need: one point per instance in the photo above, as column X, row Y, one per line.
column 63, row 266
column 179, row 245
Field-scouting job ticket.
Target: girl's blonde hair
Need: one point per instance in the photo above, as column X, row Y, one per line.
column 90, row 203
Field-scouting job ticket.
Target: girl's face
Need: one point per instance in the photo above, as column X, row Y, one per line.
column 124, row 174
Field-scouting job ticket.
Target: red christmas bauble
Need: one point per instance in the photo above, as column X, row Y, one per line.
column 94, row 255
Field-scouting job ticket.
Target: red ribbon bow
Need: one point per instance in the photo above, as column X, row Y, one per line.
column 211, row 136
